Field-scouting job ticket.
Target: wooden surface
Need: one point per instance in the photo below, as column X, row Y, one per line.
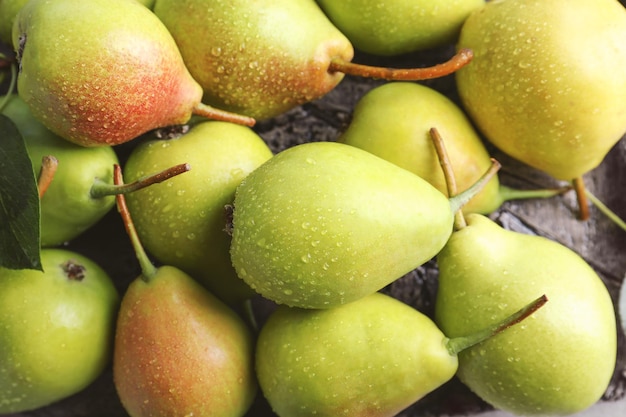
column 598, row 240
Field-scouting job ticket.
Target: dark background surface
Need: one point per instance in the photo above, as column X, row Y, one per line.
column 597, row 240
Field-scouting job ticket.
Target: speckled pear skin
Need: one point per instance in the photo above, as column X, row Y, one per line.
column 399, row 27
column 393, row 121
column 70, row 70
column 547, row 83
column 181, row 351
column 557, row 362
column 370, row 358
column 257, row 58
column 220, row 155
column 324, row 223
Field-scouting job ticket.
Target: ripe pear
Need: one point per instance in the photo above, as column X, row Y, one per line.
column 323, row 223
column 178, row 349
column 70, row 204
column 558, row 363
column 399, row 26
column 263, row 58
column 393, row 121
column 532, row 61
column 372, row 357
column 181, row 222
column 102, row 72
column 56, row 329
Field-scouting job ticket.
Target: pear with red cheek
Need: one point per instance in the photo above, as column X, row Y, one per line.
column 179, row 351
column 103, row 72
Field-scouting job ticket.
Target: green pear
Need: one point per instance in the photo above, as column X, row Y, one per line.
column 399, row 26
column 323, row 223
column 558, row 363
column 56, row 329
column 263, row 58
column 8, row 12
column 70, row 205
column 370, row 358
column 71, row 54
column 547, row 83
column 181, row 222
column 178, row 349
column 393, row 121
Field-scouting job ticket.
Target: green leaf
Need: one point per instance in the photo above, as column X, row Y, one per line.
column 19, row 202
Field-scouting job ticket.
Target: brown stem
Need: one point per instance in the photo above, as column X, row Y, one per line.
column 581, row 196
column 209, row 112
column 49, row 165
column 459, row 60
column 448, row 173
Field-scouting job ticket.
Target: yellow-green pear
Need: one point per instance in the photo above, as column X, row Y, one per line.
column 8, row 12
column 393, row 121
column 558, row 362
column 56, row 329
column 370, row 358
column 547, row 83
column 323, row 223
column 399, row 26
column 181, row 222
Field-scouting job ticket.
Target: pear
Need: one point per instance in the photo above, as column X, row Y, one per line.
column 533, row 58
column 8, row 12
column 323, row 223
column 70, row 204
column 394, row 122
column 181, row 222
column 399, row 26
column 372, row 357
column 265, row 57
column 103, row 72
column 178, row 349
column 56, row 329
column 558, row 363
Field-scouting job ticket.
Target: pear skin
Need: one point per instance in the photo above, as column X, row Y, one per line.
column 547, row 83
column 324, row 223
column 71, row 54
column 181, row 351
column 559, row 361
column 400, row 26
column 181, row 221
column 56, row 329
column 370, row 358
column 258, row 58
column 393, row 121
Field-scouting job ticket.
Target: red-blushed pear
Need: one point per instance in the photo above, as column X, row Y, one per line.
column 178, row 349
column 103, row 72
column 547, row 84
column 265, row 57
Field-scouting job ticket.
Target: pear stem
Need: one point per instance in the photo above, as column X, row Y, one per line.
column 458, row 201
column 458, row 344
column 148, row 270
column 581, row 195
column 49, row 165
column 605, row 210
column 508, row 193
column 209, row 112
column 101, row 188
column 459, row 60
column 448, row 173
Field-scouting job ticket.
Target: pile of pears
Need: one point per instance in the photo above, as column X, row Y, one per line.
column 194, row 265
